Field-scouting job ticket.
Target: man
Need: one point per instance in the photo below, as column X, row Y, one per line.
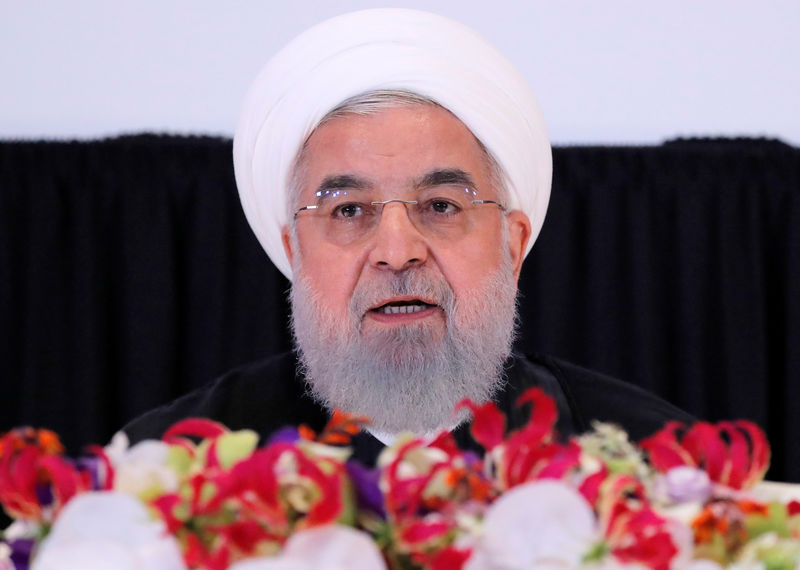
column 396, row 168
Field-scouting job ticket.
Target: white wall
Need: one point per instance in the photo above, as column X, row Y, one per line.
column 605, row 71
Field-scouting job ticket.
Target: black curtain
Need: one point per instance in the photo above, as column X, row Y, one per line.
column 128, row 275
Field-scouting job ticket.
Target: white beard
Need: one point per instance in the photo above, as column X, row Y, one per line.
column 411, row 377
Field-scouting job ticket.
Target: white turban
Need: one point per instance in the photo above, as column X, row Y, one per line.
column 385, row 49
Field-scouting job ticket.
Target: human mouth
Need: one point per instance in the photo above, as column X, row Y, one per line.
column 402, row 308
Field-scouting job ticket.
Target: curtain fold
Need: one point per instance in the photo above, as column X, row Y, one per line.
column 128, row 276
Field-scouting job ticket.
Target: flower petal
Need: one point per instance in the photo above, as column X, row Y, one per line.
column 107, row 530
column 488, row 423
column 544, row 522
column 194, row 427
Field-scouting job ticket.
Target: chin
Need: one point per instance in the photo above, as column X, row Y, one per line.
column 400, row 347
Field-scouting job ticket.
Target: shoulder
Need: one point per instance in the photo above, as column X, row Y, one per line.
column 593, row 396
column 264, row 396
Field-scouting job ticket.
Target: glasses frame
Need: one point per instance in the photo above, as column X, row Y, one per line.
column 406, row 203
column 413, row 202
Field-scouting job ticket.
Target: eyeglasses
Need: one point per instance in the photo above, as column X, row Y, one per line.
column 347, row 215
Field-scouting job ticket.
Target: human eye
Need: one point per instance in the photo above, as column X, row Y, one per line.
column 349, row 211
column 441, row 206
column 445, row 200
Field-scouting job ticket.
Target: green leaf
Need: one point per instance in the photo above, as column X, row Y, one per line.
column 713, row 550
column 179, row 460
column 349, row 506
column 234, row 446
column 778, row 561
column 596, row 553
column 776, row 521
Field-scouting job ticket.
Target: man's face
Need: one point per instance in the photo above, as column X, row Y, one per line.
column 391, row 152
column 444, row 284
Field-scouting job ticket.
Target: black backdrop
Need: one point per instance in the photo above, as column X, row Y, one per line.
column 128, row 275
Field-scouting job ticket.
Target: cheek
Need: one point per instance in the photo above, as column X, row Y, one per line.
column 330, row 273
column 467, row 266
column 466, row 278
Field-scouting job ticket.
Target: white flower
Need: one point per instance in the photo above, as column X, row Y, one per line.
column 701, row 564
column 5, row 557
column 22, row 529
column 322, row 548
column 611, row 563
column 142, row 468
column 542, row 524
column 107, row 531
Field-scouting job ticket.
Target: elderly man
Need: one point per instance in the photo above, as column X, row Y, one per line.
column 396, row 168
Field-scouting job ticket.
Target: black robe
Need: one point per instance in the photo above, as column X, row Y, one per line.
column 270, row 394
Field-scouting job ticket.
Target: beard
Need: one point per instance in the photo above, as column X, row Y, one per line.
column 409, row 377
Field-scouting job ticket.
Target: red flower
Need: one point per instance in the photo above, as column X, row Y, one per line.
column 420, row 532
column 425, row 486
column 223, row 514
column 449, row 558
column 793, row 508
column 530, row 452
column 735, row 454
column 488, row 423
column 635, row 533
column 338, row 431
column 182, row 432
column 590, row 486
column 644, row 539
column 35, row 481
column 231, row 513
column 441, row 478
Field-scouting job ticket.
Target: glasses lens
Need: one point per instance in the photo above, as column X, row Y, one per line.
column 443, row 211
column 345, row 214
column 348, row 215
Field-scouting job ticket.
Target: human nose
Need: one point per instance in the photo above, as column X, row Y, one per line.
column 397, row 242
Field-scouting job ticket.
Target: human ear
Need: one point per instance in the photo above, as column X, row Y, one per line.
column 286, row 238
column 519, row 232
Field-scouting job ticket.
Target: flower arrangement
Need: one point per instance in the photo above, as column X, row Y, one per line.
column 210, row 498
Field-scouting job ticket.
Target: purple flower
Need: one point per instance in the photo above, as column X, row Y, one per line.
column 284, row 435
column 92, row 466
column 21, row 552
column 44, row 494
column 687, row 484
column 368, row 493
column 471, row 458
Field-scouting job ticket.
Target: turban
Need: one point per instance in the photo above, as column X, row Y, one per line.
column 386, row 49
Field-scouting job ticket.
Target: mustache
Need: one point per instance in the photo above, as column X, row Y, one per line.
column 413, row 282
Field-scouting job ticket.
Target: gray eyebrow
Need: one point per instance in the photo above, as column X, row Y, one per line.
column 340, row 182
column 437, row 177
column 443, row 176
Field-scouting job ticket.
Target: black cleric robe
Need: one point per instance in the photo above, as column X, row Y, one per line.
column 270, row 394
